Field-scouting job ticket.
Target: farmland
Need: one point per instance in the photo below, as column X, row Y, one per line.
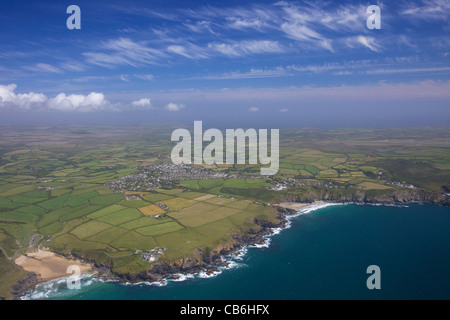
column 55, row 186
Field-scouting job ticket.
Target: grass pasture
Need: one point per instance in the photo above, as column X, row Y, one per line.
column 160, row 228
column 178, row 203
column 106, row 200
column 373, row 186
column 120, row 217
column 56, row 203
column 144, row 221
column 202, row 213
column 108, row 236
column 105, row 211
column 88, row 229
column 134, row 203
column 157, row 197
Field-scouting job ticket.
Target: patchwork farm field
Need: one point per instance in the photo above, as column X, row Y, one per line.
column 56, row 192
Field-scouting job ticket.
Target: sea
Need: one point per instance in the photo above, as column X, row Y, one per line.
column 323, row 253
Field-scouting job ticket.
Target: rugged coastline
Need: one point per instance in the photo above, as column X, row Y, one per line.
column 352, row 195
column 209, row 261
column 203, row 260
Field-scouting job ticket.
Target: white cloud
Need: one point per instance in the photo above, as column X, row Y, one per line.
column 78, row 102
column 174, row 107
column 142, row 104
column 284, row 110
column 253, row 109
column 94, row 101
column 8, row 98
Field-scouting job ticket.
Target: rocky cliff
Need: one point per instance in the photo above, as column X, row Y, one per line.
column 389, row 196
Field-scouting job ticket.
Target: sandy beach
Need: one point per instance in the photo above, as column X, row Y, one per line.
column 298, row 205
column 48, row 266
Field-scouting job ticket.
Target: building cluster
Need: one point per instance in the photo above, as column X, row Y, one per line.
column 153, row 255
column 166, row 176
column 397, row 184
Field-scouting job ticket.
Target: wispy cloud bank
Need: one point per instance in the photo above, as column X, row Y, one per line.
column 361, row 67
column 252, row 74
column 410, row 70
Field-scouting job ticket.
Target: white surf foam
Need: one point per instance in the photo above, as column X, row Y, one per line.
column 264, row 244
column 315, row 207
column 182, row 277
column 209, row 274
column 58, row 287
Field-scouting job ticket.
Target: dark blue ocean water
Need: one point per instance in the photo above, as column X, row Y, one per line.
column 323, row 255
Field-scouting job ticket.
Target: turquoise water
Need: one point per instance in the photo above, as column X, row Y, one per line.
column 323, row 255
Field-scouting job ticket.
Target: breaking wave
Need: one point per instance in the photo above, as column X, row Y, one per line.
column 58, row 287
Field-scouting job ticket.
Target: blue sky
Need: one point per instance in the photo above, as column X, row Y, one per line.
column 258, row 63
